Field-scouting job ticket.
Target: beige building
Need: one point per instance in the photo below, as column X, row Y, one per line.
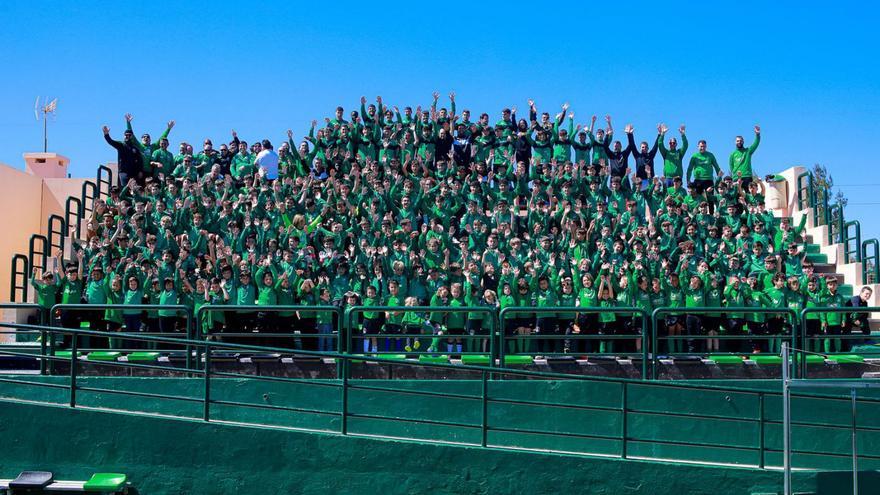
column 28, row 198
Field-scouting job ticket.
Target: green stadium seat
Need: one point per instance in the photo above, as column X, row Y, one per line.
column 66, row 354
column 848, row 359
column 814, row 359
column 767, row 360
column 845, row 290
column 103, row 355
column 811, row 248
column 105, row 482
column 476, row 359
column 517, row 359
column 424, row 358
column 141, row 357
column 817, row 258
column 726, row 359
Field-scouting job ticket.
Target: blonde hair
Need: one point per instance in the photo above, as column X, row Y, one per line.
column 410, row 301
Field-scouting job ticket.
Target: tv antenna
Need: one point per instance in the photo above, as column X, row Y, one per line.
column 43, row 111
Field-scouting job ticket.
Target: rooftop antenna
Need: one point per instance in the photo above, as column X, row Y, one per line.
column 43, row 111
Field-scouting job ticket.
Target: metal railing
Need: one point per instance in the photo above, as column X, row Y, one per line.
column 740, row 315
column 59, row 318
column 841, row 335
column 19, row 271
column 851, row 236
column 104, row 180
column 805, row 195
column 600, row 416
column 435, row 338
column 835, row 222
column 735, row 331
column 267, row 330
column 870, row 269
column 88, row 196
column 73, row 211
column 38, row 256
column 584, row 335
column 56, row 233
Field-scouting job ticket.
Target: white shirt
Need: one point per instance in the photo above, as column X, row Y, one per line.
column 267, row 162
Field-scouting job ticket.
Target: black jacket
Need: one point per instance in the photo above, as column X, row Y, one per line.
column 128, row 157
column 644, row 161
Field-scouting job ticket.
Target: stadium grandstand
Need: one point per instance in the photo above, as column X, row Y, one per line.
column 509, row 281
column 430, row 207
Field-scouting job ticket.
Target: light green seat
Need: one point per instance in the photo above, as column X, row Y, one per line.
column 66, row 354
column 143, row 356
column 726, row 359
column 424, row 358
column 814, row 359
column 394, row 356
column 105, row 482
column 517, row 359
column 476, row 359
column 767, row 360
column 103, row 355
column 848, row 358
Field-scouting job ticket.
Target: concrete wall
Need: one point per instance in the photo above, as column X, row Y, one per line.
column 27, row 198
column 172, row 456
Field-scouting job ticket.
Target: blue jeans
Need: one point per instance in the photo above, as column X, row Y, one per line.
column 325, row 342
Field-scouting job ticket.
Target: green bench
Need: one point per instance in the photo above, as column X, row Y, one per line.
column 44, row 482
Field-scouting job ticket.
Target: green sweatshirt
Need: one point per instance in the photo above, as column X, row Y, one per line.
column 741, row 160
column 672, row 159
column 702, row 165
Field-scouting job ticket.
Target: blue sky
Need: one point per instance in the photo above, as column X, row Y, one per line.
column 808, row 76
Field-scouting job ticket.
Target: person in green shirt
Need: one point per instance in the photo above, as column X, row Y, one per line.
column 325, row 322
column 607, row 320
column 587, row 323
column 702, row 168
column 455, row 321
column 813, row 321
column 134, row 295
column 372, row 324
column 672, row 156
column 695, row 297
column 46, row 292
column 734, row 296
column 394, row 319
column 832, row 323
column 741, row 158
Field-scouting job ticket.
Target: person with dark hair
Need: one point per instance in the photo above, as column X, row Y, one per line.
column 267, row 161
column 857, row 321
column 644, row 158
column 128, row 157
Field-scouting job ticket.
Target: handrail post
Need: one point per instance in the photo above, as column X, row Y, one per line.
column 761, row 429
column 189, row 337
column 623, row 433
column 73, row 363
column 502, row 328
column 207, row 395
column 855, row 450
column 343, row 427
column 645, row 342
column 484, row 423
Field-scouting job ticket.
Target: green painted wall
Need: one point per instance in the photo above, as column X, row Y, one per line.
column 174, row 456
column 582, row 417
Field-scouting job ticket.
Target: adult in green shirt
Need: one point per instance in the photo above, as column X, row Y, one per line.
column 702, row 168
column 741, row 158
column 672, row 156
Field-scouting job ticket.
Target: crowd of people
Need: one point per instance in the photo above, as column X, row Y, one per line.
column 431, row 207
